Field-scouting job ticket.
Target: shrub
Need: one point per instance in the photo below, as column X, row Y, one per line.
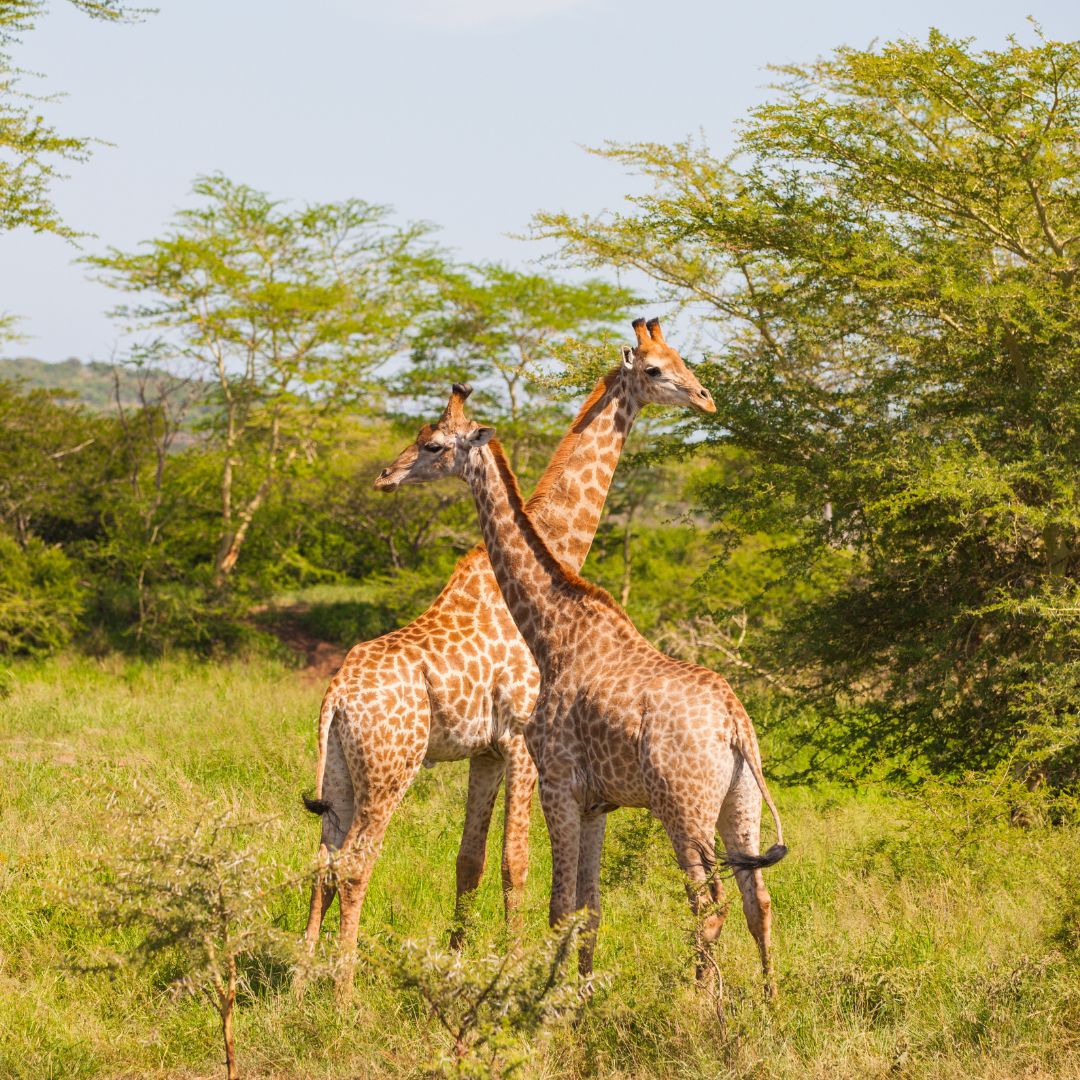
column 491, row 1006
column 41, row 598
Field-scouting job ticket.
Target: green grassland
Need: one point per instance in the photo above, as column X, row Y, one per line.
column 915, row 936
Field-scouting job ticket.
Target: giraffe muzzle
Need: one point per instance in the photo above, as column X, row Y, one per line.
column 385, row 481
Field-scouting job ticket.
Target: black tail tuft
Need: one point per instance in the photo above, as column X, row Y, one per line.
column 736, row 861
column 707, row 855
column 316, row 806
column 322, row 808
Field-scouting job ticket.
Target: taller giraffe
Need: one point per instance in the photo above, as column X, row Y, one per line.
column 459, row 681
column 617, row 723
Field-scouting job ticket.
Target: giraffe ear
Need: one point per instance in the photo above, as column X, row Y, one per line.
column 481, row 436
column 628, row 358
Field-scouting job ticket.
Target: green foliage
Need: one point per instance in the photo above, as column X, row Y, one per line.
column 54, row 459
column 198, row 899
column 41, row 598
column 333, row 518
column 888, row 269
column 968, row 823
column 286, row 313
column 31, row 150
column 132, row 498
column 502, row 331
column 490, row 1006
column 382, row 604
column 245, row 421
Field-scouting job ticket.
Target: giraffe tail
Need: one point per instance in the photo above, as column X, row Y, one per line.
column 737, row 860
column 316, row 803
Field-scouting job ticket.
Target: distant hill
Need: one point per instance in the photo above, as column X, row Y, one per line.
column 89, row 384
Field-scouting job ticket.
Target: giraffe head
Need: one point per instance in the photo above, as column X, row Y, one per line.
column 657, row 375
column 439, row 450
column 651, row 373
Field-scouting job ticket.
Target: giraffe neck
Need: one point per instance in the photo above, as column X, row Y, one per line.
column 569, row 498
column 537, row 588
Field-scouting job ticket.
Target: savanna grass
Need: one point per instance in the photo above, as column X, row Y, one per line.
column 916, row 936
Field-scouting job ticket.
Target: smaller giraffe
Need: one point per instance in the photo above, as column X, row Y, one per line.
column 616, row 723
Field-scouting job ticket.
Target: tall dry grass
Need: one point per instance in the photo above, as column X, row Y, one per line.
column 916, row 936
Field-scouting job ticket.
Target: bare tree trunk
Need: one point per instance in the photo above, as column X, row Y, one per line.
column 228, row 537
column 231, row 543
column 226, row 1008
column 231, row 1071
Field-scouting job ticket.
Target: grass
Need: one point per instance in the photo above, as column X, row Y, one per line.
column 915, row 937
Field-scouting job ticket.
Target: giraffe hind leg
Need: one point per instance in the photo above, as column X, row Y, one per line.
column 705, row 892
column 590, row 846
column 378, row 790
column 336, row 810
column 740, row 829
column 689, row 816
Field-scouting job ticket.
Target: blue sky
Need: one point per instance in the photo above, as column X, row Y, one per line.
column 467, row 113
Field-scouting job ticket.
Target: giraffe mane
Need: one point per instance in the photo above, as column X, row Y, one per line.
column 536, row 541
column 567, row 445
column 551, row 476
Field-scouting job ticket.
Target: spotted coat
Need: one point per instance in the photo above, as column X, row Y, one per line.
column 459, row 681
column 618, row 723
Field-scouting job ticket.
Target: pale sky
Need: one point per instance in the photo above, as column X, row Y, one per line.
column 467, row 113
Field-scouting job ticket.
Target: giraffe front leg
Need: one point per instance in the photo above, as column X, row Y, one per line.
column 520, row 781
column 485, row 776
column 590, row 846
column 562, row 813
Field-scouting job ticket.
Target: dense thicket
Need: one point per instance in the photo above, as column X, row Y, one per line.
column 889, row 265
column 879, row 535
column 271, row 350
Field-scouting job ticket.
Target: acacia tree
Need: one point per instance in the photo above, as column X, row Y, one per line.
column 286, row 313
column 30, row 148
column 498, row 329
column 890, row 266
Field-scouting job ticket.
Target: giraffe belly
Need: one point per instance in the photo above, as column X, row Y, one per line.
column 607, row 785
column 462, row 718
column 613, row 761
column 460, row 734
column 477, row 699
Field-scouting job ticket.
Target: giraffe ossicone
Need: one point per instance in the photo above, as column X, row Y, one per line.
column 459, row 681
column 616, row 722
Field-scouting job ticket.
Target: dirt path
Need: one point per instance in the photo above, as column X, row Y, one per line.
column 321, row 658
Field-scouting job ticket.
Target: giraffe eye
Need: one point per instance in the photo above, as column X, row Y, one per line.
column 652, row 372
column 434, row 448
